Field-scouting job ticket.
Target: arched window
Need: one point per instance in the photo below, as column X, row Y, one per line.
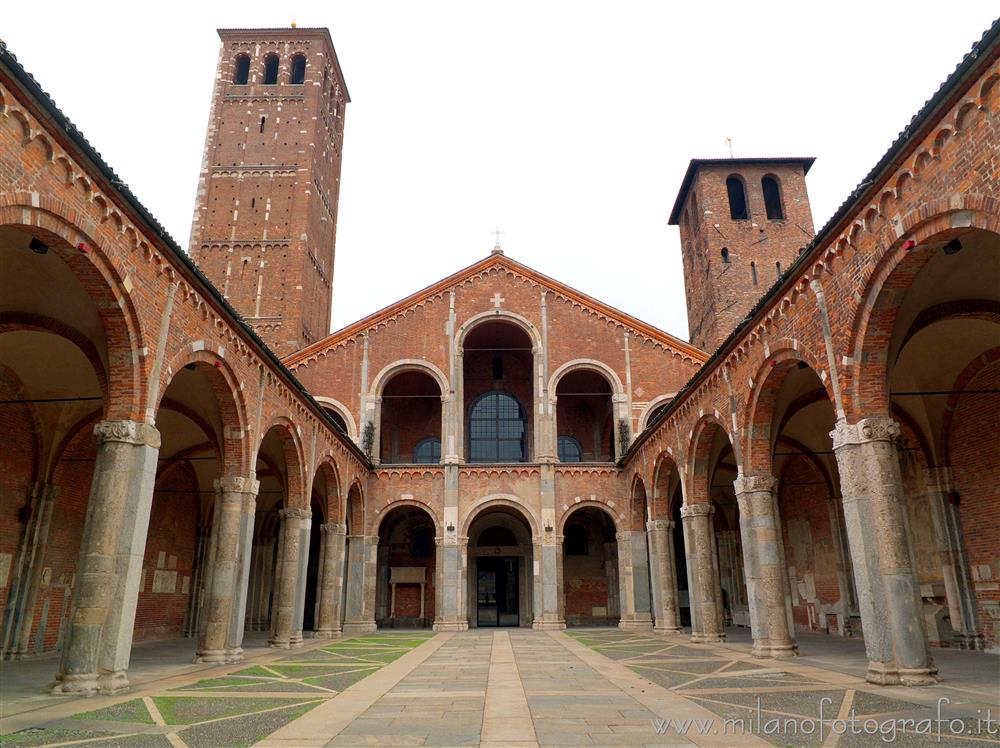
column 338, row 420
column 725, row 255
column 497, row 429
column 271, row 69
column 241, row 70
column 298, row 76
column 569, row 449
column 575, row 539
column 427, row 451
column 772, row 199
column 737, row 199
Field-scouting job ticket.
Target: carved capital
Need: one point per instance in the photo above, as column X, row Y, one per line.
column 659, row 524
column 872, row 429
column 127, row 432
column 696, row 510
column 332, row 528
column 295, row 512
column 754, row 482
column 238, row 484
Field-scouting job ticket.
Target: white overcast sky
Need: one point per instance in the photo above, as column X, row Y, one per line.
column 568, row 124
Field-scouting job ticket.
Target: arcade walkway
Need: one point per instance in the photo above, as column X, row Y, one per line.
column 511, row 687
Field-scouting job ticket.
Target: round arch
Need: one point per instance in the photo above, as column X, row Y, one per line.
column 585, row 364
column 354, row 513
column 875, row 316
column 699, row 451
column 592, row 504
column 327, row 470
column 666, row 480
column 493, row 501
column 498, row 315
column 293, row 456
column 758, row 417
column 380, row 515
column 343, row 411
column 403, row 365
column 651, row 407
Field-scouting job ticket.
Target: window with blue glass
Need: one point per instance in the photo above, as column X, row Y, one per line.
column 569, row 449
column 498, row 429
column 427, row 451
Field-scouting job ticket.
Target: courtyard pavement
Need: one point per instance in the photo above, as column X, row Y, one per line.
column 508, row 688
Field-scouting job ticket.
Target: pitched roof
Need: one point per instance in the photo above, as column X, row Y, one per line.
column 498, row 260
column 697, row 163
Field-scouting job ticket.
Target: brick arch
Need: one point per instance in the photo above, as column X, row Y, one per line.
column 295, row 495
column 354, row 515
column 638, row 503
column 327, row 476
column 586, row 364
column 590, row 504
column 759, row 415
column 699, row 450
column 381, row 516
column 652, row 405
column 867, row 392
column 499, row 315
column 229, row 398
column 402, row 365
column 493, row 501
column 661, row 505
column 52, row 221
column 343, row 411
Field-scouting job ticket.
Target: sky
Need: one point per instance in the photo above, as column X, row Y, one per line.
column 568, row 125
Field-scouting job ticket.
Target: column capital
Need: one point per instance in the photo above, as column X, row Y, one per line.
column 295, row 512
column 871, row 429
column 237, row 484
column 127, row 432
column 623, row 535
column 333, row 528
column 660, row 524
column 451, row 539
column 696, row 510
column 754, row 482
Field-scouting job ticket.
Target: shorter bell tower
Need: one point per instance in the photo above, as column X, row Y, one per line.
column 743, row 222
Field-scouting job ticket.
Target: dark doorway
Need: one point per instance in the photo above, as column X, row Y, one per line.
column 497, row 592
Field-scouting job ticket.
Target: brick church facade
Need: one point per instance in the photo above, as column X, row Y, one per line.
column 190, row 452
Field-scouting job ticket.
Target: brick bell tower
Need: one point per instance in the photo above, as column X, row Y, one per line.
column 743, row 221
column 265, row 219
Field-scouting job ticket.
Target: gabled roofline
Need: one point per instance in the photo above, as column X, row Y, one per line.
column 499, row 260
column 70, row 138
column 321, row 31
column 697, row 163
column 983, row 53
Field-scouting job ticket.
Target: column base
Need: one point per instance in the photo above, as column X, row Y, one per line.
column 279, row 643
column 548, row 625
column 667, row 629
column 330, row 633
column 450, row 626
column 359, row 627
column 88, row 684
column 972, row 642
column 887, row 674
column 708, row 638
column 639, row 625
column 219, row 656
column 775, row 651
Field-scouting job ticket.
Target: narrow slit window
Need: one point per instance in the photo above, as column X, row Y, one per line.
column 753, row 272
column 262, row 121
column 725, row 255
column 777, row 266
column 772, row 199
column 270, row 70
column 241, row 71
column 737, row 199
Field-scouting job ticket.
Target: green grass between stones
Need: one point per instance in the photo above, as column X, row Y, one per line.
column 128, row 711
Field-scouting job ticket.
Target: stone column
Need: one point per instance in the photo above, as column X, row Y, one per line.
column 293, row 546
column 703, row 574
column 547, row 582
column 221, row 631
column 26, row 579
column 359, row 610
column 948, row 537
column 764, row 567
column 633, row 578
column 887, row 590
column 663, row 574
column 611, row 572
column 331, row 581
column 99, row 641
column 451, row 562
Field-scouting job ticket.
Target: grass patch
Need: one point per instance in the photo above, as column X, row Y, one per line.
column 186, row 710
column 243, row 731
column 127, row 711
